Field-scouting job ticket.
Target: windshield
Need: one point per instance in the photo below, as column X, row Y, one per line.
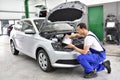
column 58, row 27
column 38, row 23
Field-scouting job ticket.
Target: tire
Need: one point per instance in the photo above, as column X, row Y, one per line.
column 13, row 49
column 44, row 61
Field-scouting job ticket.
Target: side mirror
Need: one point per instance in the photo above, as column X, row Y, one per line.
column 29, row 31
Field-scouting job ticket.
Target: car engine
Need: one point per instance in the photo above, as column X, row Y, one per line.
column 57, row 40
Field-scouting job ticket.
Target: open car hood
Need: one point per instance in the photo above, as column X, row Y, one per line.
column 69, row 11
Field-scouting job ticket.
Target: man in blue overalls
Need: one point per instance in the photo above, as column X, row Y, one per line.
column 92, row 55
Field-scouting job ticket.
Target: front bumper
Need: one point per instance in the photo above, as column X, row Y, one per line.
column 64, row 59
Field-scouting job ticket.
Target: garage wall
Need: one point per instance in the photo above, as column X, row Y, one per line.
column 118, row 4
column 112, row 8
column 109, row 9
column 14, row 9
column 53, row 3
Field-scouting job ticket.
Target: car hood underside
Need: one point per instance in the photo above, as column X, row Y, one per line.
column 69, row 11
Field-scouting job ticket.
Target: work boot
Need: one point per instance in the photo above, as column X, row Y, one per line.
column 107, row 66
column 91, row 75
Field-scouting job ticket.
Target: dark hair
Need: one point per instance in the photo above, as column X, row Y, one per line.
column 82, row 25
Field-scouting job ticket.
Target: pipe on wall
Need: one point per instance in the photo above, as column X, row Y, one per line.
column 26, row 8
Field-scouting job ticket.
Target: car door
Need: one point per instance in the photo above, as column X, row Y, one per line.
column 17, row 35
column 28, row 37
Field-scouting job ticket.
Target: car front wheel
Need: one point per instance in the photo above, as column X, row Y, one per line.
column 44, row 61
column 13, row 49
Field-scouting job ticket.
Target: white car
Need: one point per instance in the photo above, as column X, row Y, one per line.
column 42, row 38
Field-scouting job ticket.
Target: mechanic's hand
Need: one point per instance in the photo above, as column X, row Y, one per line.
column 67, row 36
column 72, row 35
column 70, row 46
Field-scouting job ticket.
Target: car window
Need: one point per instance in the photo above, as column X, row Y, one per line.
column 38, row 23
column 27, row 25
column 18, row 26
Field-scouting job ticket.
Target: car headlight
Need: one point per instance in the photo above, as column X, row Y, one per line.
column 60, row 47
column 57, row 46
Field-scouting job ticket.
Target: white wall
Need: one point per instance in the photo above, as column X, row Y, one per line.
column 53, row 3
column 109, row 8
column 112, row 8
column 50, row 4
column 14, row 9
column 118, row 4
column 14, row 5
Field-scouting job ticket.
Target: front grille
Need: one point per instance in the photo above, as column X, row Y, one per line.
column 73, row 62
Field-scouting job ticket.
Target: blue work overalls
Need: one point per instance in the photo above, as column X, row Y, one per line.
column 93, row 60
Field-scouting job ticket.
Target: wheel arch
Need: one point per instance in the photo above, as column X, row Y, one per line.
column 40, row 48
column 11, row 40
column 50, row 68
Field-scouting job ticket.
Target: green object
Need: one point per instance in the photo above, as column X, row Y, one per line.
column 95, row 21
column 26, row 9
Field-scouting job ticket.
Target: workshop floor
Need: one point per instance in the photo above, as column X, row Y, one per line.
column 22, row 67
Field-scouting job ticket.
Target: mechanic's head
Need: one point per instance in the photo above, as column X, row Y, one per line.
column 82, row 29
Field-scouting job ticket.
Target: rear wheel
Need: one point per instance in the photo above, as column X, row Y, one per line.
column 44, row 61
column 13, row 49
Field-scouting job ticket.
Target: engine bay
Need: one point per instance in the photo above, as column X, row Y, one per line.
column 57, row 40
